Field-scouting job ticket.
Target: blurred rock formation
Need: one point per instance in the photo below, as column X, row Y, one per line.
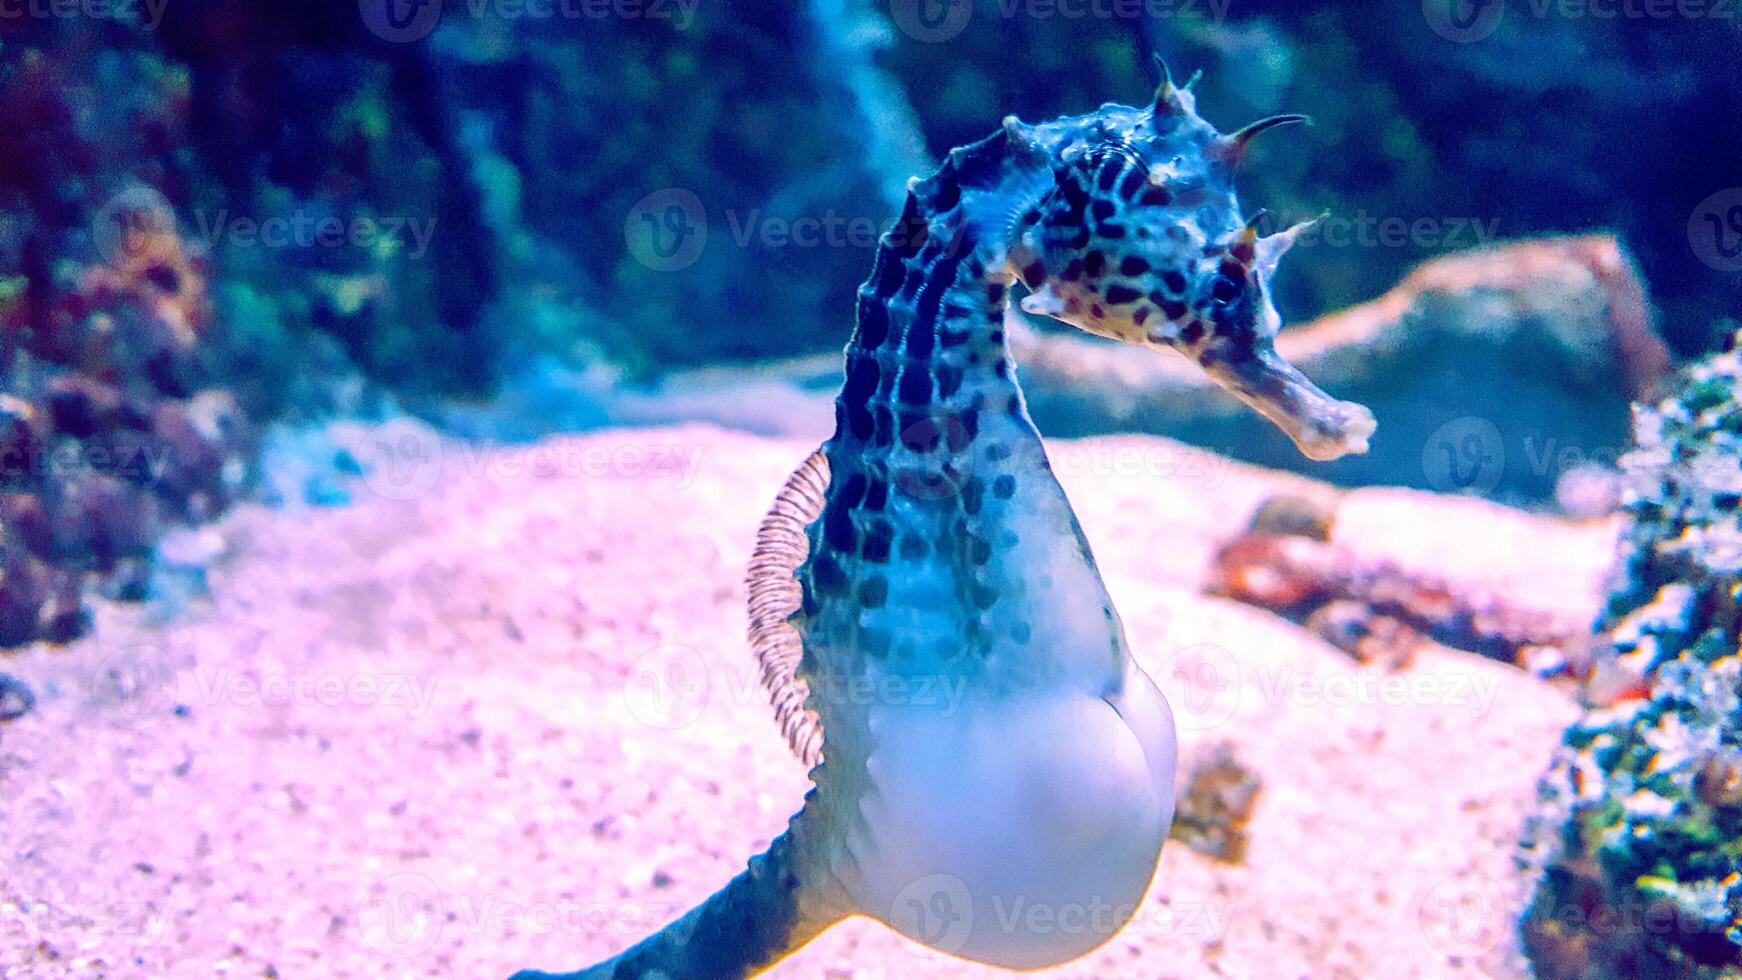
column 1639, row 846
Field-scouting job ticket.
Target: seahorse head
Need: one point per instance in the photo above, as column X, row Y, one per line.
column 1141, row 239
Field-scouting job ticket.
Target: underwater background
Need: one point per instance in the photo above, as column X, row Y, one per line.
column 276, row 277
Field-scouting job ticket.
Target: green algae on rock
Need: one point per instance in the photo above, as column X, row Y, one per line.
column 1640, row 847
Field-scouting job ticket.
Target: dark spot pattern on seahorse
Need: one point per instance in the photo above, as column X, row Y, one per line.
column 874, row 643
column 916, row 386
column 873, row 322
column 838, row 532
column 861, row 378
column 852, row 491
column 859, row 421
column 949, row 380
column 874, row 592
column 1004, row 486
column 876, row 496
column 883, row 430
column 984, row 596
column 973, row 493
column 826, row 572
column 1119, row 295
column 908, row 235
column 913, row 547
column 1108, row 176
column 879, row 535
column 948, row 196
column 1133, row 182
column 979, row 550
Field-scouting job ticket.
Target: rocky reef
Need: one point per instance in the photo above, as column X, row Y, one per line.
column 215, row 218
column 1640, row 847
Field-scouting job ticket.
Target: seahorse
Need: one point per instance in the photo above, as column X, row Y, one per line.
column 936, row 639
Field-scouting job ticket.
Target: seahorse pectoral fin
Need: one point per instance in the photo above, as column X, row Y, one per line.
column 1321, row 426
column 775, row 595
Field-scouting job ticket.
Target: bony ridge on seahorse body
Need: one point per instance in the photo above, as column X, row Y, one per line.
column 937, row 642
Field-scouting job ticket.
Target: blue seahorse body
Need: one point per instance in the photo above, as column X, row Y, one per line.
column 936, row 638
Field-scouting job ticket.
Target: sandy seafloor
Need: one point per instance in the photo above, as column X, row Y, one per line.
column 511, row 721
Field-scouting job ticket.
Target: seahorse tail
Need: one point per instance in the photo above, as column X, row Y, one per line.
column 759, row 918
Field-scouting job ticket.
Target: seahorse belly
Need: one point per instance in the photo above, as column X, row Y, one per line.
column 1018, row 832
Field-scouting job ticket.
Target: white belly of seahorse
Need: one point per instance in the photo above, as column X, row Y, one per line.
column 1018, row 832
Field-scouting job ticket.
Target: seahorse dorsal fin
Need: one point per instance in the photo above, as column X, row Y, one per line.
column 781, row 547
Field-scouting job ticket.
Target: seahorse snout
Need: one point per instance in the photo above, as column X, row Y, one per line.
column 1323, row 427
